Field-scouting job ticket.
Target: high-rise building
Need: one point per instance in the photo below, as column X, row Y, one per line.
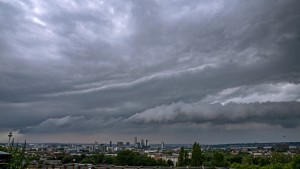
column 110, row 144
column 162, row 146
column 147, row 143
column 127, row 144
column 102, row 148
column 120, row 144
column 135, row 140
column 142, row 143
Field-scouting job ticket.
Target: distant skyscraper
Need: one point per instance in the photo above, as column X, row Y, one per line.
column 127, row 144
column 102, row 148
column 162, row 146
column 142, row 143
column 147, row 143
column 120, row 144
column 110, row 144
column 135, row 140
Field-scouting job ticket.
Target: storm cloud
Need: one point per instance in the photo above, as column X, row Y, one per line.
column 284, row 114
column 149, row 68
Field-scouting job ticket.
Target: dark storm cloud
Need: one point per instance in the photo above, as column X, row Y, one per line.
column 285, row 114
column 257, row 93
column 69, row 61
column 78, row 124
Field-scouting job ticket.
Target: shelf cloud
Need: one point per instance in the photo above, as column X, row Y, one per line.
column 284, row 114
column 119, row 69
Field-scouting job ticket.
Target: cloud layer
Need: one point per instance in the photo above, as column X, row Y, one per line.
column 277, row 92
column 149, row 67
column 284, row 114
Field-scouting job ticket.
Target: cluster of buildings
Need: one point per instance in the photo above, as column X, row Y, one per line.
column 110, row 148
column 49, row 153
column 258, row 149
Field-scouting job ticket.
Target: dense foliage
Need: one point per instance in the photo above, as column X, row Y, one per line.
column 131, row 158
column 183, row 158
column 222, row 158
column 18, row 156
column 193, row 157
column 123, row 158
column 196, row 159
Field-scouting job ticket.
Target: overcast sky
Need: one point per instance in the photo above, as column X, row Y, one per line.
column 212, row 71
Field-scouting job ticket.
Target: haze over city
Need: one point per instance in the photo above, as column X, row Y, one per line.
column 211, row 71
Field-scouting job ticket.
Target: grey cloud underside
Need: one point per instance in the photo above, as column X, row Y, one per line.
column 123, row 62
column 285, row 114
column 277, row 114
column 78, row 124
column 256, row 93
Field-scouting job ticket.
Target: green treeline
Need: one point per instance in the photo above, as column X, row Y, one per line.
column 193, row 157
column 18, row 157
column 219, row 158
column 123, row 158
column 196, row 159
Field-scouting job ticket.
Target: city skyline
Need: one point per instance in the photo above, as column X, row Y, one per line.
column 210, row 71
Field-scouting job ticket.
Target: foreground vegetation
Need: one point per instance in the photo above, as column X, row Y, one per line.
column 123, row 158
column 193, row 157
column 18, row 157
column 219, row 158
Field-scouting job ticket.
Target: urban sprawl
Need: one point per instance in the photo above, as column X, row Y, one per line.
column 142, row 154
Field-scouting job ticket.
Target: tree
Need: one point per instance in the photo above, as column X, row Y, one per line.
column 98, row 158
column 207, row 159
column 108, row 159
column 18, row 156
column 88, row 160
column 181, row 157
column 247, row 160
column 170, row 163
column 67, row 159
column 186, row 158
column 125, row 157
column 296, row 162
column 161, row 162
column 131, row 158
column 197, row 158
column 219, row 160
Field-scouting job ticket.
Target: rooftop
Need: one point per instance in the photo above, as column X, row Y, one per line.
column 4, row 153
